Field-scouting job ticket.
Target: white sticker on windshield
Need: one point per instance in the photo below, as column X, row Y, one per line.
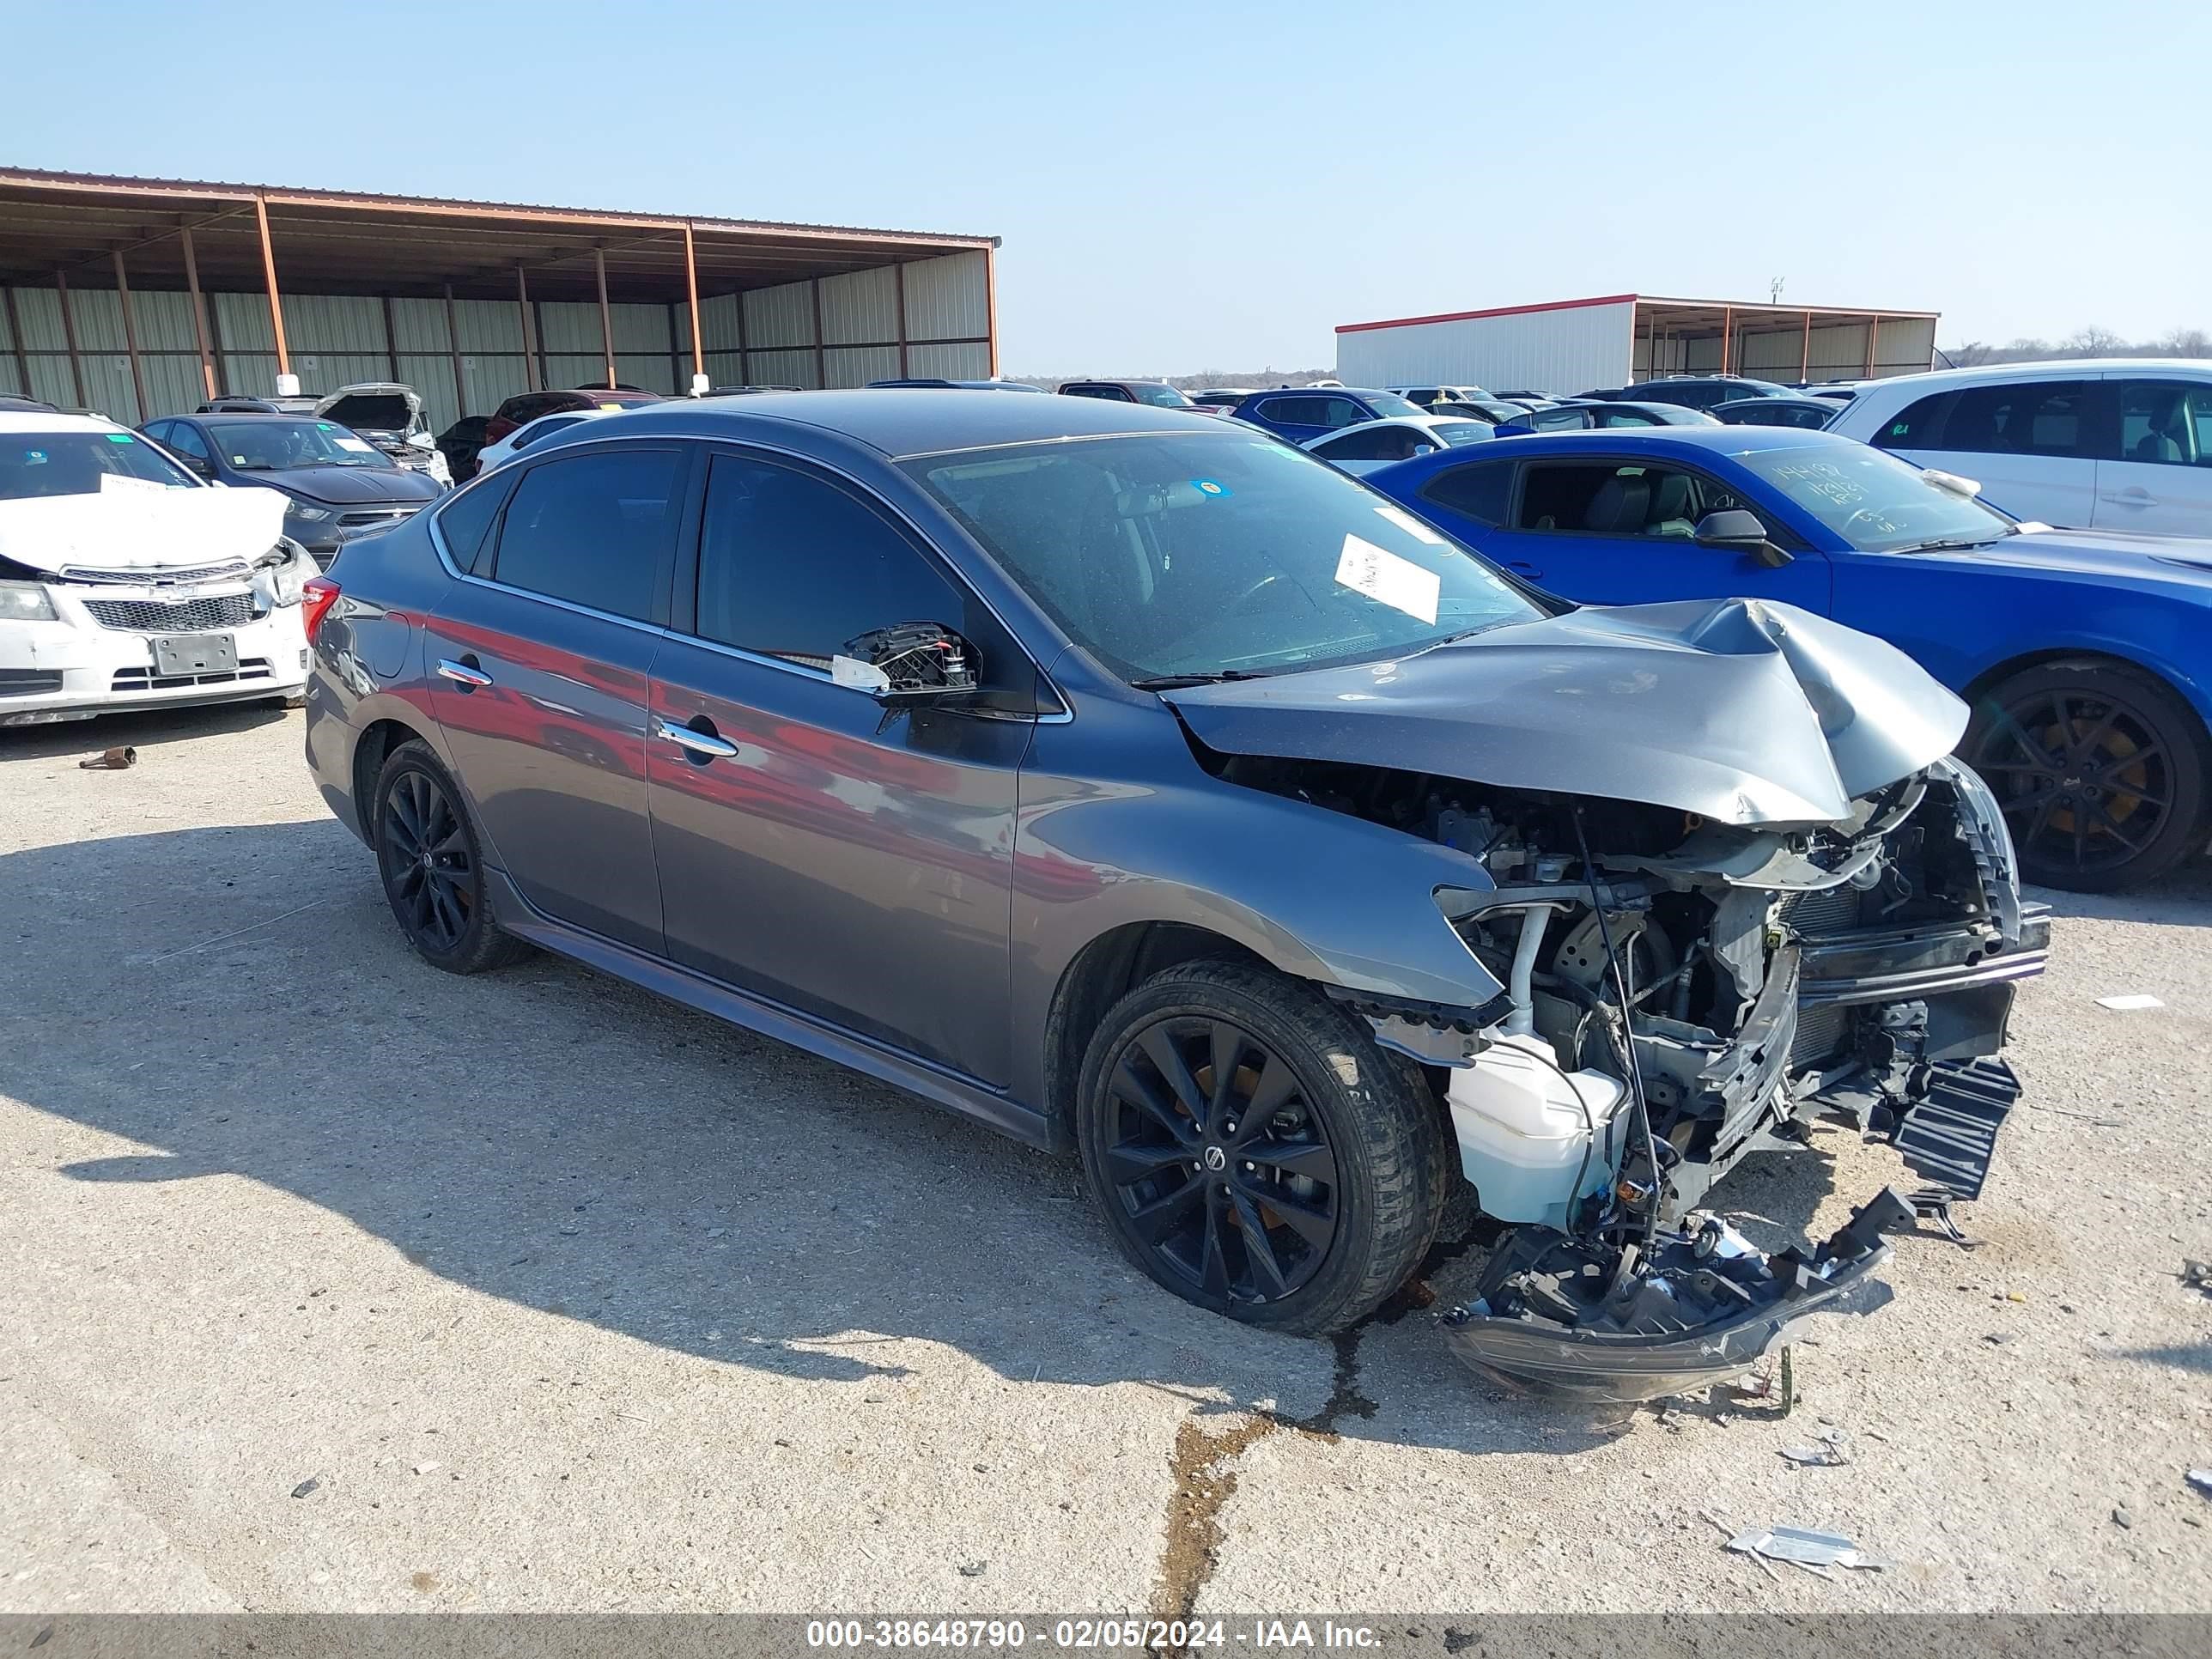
column 358, row 446
column 1382, row 574
column 119, row 483
column 1412, row 525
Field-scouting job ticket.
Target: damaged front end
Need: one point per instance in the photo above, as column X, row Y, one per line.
column 1684, row 988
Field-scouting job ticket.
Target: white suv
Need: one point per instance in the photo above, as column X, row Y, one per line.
column 125, row 581
column 2122, row 443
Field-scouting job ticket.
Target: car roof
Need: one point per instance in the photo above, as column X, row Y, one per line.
column 29, row 420
column 918, row 420
column 1723, row 439
column 1936, row 379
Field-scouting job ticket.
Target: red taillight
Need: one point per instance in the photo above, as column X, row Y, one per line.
column 318, row 595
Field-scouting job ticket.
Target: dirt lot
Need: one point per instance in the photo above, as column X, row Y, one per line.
column 568, row 1298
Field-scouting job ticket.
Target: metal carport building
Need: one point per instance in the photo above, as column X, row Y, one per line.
column 141, row 297
column 1569, row 346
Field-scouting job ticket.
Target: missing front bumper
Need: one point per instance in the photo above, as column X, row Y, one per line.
column 1563, row 1320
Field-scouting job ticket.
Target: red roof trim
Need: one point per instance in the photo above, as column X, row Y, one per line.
column 1494, row 311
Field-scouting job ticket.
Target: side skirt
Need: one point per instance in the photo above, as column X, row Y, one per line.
column 936, row 1084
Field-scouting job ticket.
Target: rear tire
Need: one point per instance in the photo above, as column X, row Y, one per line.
column 1297, row 1195
column 2099, row 768
column 432, row 862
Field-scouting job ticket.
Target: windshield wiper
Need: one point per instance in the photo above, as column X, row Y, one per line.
column 1951, row 543
column 1176, row 681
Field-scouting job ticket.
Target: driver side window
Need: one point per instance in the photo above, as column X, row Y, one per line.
column 1620, row 499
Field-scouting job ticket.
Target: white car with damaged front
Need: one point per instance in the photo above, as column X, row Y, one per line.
column 126, row 582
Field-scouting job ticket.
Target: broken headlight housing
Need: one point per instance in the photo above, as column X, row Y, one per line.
column 280, row 575
column 26, row 602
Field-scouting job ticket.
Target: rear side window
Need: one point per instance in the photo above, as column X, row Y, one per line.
column 1479, row 490
column 1380, row 443
column 594, row 530
column 1918, row 426
column 463, row 522
column 1294, row 412
column 2165, row 422
column 1110, row 393
column 544, row 427
column 2038, row 417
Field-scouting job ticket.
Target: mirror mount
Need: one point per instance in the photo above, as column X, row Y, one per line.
column 909, row 663
column 1736, row 529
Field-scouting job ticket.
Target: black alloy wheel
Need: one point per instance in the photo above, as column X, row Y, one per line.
column 428, row 861
column 1219, row 1164
column 428, row 853
column 2099, row 771
column 1255, row 1152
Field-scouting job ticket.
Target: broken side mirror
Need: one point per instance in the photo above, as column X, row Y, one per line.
column 1739, row 529
column 907, row 663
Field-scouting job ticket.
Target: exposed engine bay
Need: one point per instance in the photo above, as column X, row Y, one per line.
column 1681, row 993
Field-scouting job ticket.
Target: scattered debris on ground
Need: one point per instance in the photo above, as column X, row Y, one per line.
column 2197, row 1275
column 2131, row 1002
column 1815, row 1552
column 306, row 1486
column 1832, row 1449
column 110, row 760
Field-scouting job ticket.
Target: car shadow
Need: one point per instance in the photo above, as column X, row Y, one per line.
column 237, row 1001
column 141, row 728
column 2180, row 899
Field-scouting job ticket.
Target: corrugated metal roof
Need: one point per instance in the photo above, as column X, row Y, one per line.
column 305, row 196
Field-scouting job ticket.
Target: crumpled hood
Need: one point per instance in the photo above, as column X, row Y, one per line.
column 349, row 486
column 141, row 527
column 1740, row 710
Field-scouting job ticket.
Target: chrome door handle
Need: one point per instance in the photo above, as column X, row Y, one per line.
column 703, row 744
column 462, row 674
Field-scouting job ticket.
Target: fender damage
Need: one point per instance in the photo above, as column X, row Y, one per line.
column 1736, row 882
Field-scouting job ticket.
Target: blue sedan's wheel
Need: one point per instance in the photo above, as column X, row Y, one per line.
column 2100, row 770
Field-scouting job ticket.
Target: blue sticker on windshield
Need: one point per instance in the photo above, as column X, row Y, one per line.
column 1210, row 486
column 120, row 438
column 325, row 426
column 34, row 458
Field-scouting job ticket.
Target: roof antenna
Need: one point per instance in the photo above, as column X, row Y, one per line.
column 1774, row 291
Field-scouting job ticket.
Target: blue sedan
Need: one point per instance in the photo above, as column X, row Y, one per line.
column 2084, row 654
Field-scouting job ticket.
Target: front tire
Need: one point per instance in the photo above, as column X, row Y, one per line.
column 432, row 862
column 2100, row 770
column 1252, row 1150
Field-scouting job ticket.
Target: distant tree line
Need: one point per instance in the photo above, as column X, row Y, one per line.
column 2091, row 341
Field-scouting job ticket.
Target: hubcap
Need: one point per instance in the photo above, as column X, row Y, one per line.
column 1223, row 1170
column 434, row 882
column 2085, row 782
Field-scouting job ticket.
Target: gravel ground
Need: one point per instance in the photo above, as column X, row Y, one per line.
column 566, row 1299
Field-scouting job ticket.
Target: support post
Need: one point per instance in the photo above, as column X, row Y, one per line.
column 68, row 339
column 1728, row 326
column 15, row 335
column 990, row 302
column 529, row 334
column 1805, row 355
column 199, row 317
column 269, row 271
column 691, row 285
column 898, row 280
column 391, row 339
column 606, row 318
column 744, row 361
column 821, row 358
column 1874, row 336
column 454, row 349
column 130, row 338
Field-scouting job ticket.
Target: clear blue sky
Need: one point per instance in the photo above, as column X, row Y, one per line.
column 1198, row 185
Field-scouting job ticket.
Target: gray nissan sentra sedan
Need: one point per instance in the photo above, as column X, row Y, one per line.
column 1149, row 789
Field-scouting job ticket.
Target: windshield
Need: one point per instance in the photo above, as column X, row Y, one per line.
column 1874, row 502
column 1161, row 396
column 1201, row 555
column 1390, row 405
column 35, row 464
column 267, row 445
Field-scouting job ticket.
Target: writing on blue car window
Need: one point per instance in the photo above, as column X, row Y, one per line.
column 1874, row 502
